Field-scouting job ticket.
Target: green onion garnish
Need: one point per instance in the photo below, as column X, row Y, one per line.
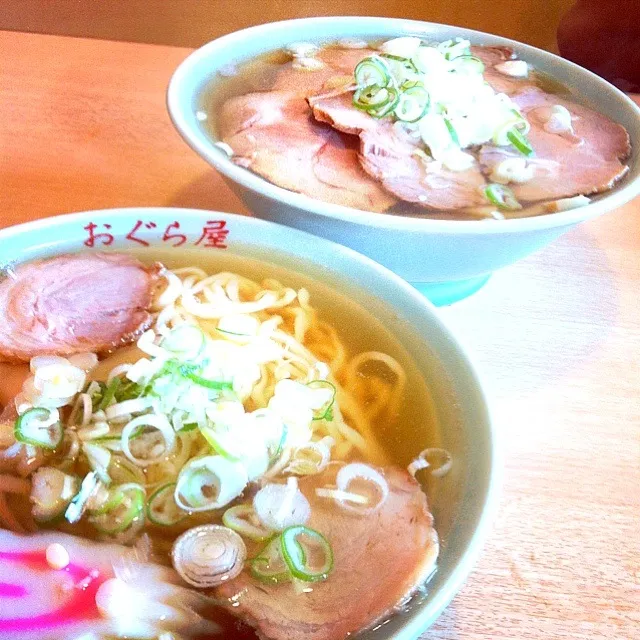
column 219, row 385
column 109, row 393
column 452, row 131
column 127, row 511
column 520, row 142
column 413, row 103
column 372, row 71
column 39, row 427
column 502, row 197
column 162, row 508
column 326, row 413
column 300, row 548
column 243, row 519
column 270, row 566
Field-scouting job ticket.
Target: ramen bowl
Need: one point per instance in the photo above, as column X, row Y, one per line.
column 463, row 500
column 445, row 259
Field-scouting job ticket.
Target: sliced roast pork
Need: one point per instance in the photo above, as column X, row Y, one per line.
column 391, row 158
column 379, row 559
column 73, row 303
column 274, row 134
column 584, row 160
column 496, row 73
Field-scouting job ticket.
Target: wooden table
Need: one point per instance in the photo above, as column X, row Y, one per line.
column 557, row 336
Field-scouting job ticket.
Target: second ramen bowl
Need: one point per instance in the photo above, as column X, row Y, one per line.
column 446, row 260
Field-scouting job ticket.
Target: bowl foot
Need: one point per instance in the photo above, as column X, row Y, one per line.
column 444, row 293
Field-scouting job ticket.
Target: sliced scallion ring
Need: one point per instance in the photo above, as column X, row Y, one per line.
column 372, row 97
column 307, row 553
column 387, row 109
column 114, row 498
column 407, row 63
column 243, row 519
column 209, row 483
column 125, row 513
column 413, row 104
column 372, row 70
column 502, row 197
column 157, row 421
column 162, row 508
column 186, row 341
column 467, row 64
column 51, row 493
column 520, row 142
column 39, row 427
column 270, row 566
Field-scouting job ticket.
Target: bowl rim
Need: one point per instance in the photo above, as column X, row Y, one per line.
column 410, row 300
column 607, row 201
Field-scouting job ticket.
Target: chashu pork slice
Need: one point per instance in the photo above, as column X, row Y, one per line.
column 390, row 159
column 274, row 134
column 379, row 560
column 73, row 303
column 586, row 161
column 499, row 81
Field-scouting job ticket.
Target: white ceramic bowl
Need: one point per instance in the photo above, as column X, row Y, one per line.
column 462, row 501
column 445, row 259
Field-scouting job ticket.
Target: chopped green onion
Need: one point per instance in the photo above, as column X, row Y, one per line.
column 372, row 71
column 186, row 341
column 243, row 519
column 452, row 131
column 326, row 412
column 39, row 427
column 51, row 493
column 123, row 471
column 99, row 460
column 114, row 498
column 221, row 442
column 125, row 513
column 407, row 63
column 413, row 104
column 468, row 64
column 188, row 426
column 502, row 197
column 520, row 142
column 307, row 553
column 96, row 394
column 386, row 109
column 90, row 484
column 280, row 446
column 209, row 483
column 218, row 385
column 109, row 393
column 130, row 391
column 270, row 566
column 371, row 97
column 162, row 508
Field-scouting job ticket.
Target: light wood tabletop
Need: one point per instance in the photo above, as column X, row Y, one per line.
column 83, row 125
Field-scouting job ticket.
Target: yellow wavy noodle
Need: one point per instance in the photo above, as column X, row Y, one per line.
column 369, row 386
